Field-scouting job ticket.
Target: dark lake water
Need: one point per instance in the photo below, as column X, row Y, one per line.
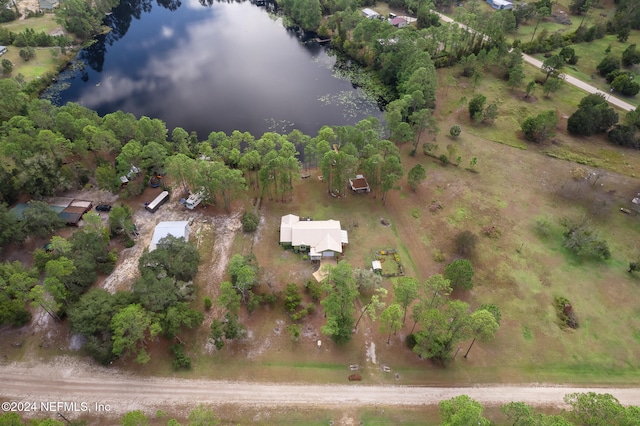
column 211, row 67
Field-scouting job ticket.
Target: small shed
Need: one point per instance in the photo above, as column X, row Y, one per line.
column 398, row 22
column 376, row 265
column 359, row 184
column 3, row 50
column 178, row 229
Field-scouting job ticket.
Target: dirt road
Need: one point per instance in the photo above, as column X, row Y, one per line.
column 125, row 393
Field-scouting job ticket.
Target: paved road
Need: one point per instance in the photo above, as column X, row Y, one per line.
column 569, row 79
column 124, row 393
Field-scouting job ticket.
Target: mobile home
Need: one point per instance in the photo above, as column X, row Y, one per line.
column 157, row 202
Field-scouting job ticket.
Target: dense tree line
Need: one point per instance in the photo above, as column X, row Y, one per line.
column 121, row 324
column 63, row 270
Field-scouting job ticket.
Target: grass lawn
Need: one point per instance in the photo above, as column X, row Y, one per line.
column 46, row 23
column 46, row 59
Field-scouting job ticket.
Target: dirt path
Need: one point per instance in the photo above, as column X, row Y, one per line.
column 72, row 383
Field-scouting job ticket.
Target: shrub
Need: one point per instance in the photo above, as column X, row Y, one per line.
column 584, row 241
column 444, row 159
column 294, row 332
column 455, row 131
column 250, row 222
column 536, row 129
column 292, row 298
column 565, row 312
column 314, row 289
column 542, row 227
column 491, row 231
column 207, row 303
column 624, row 136
column 128, row 242
column 439, row 256
column 476, row 106
column 411, row 341
column 608, row 64
column 624, row 84
column 630, row 56
column 465, row 243
column 593, row 115
column 299, row 315
column 7, row 66
column 180, row 360
column 27, row 53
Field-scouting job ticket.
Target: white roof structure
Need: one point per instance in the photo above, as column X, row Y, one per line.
column 501, row 4
column 178, row 229
column 318, row 235
column 369, row 13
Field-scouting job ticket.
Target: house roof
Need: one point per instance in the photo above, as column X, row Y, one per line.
column 312, row 232
column 328, row 243
column 321, row 235
column 178, row 229
column 286, row 224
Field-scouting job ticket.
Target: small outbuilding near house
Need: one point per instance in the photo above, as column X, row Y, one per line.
column 321, row 238
column 178, row 229
column 359, row 184
column 398, row 22
column 3, row 50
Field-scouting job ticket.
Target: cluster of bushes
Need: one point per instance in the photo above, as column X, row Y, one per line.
column 250, row 222
column 584, row 241
column 594, row 115
column 8, row 15
column 565, row 312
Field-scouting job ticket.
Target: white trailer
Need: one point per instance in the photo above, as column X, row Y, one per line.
column 158, row 201
column 193, row 200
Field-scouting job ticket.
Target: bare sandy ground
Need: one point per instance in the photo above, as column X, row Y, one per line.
column 71, row 382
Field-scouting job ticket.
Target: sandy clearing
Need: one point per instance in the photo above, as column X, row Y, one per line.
column 54, row 382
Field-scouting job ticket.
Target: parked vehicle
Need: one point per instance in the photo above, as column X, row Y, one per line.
column 103, row 208
column 193, row 200
column 157, row 202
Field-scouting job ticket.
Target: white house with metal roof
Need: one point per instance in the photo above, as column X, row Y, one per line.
column 321, row 238
column 178, row 229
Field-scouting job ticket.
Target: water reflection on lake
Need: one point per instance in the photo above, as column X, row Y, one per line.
column 223, row 67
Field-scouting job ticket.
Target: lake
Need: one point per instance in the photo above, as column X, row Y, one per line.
column 212, row 67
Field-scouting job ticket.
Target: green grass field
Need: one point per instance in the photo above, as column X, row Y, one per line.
column 46, row 23
column 47, row 58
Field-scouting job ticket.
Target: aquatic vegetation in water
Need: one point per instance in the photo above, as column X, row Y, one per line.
column 62, row 81
column 279, row 126
column 353, row 103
